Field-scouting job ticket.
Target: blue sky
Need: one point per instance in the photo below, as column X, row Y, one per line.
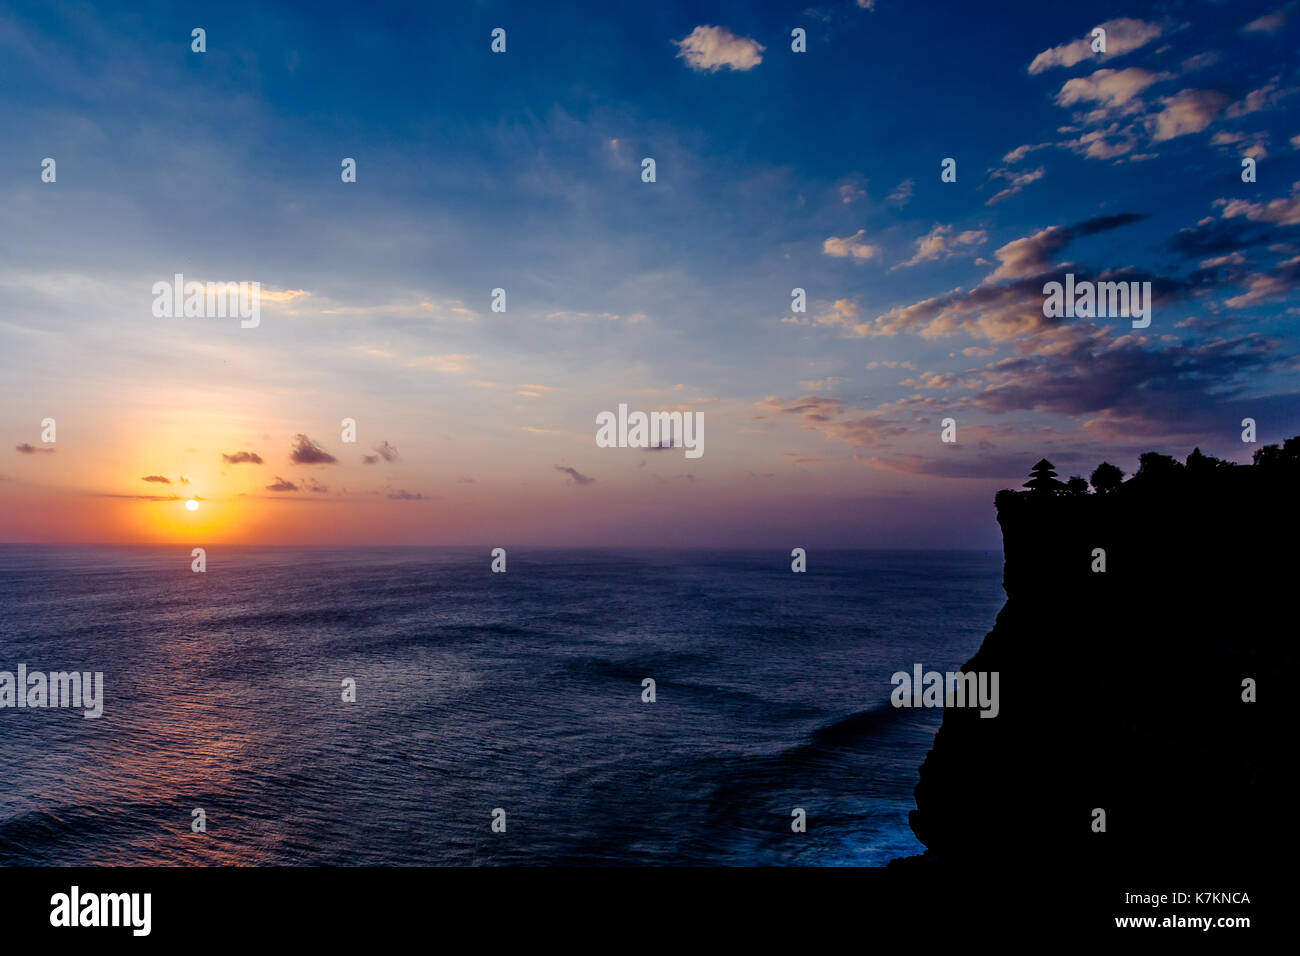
column 521, row 170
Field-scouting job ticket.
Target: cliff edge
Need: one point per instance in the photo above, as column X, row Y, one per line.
column 1123, row 689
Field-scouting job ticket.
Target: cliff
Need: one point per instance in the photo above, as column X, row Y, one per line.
column 1122, row 690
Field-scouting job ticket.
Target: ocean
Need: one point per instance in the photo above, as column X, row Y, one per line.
column 476, row 692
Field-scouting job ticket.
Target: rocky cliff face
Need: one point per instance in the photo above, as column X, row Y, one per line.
column 1122, row 690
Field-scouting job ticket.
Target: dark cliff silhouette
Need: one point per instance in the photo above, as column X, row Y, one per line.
column 1123, row 689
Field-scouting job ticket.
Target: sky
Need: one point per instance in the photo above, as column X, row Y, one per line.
column 523, row 171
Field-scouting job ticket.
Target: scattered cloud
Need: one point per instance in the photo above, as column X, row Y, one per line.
column 902, row 192
column 851, row 193
column 709, row 49
column 941, row 242
column 1283, row 212
column 26, row 449
column 281, row 484
column 1017, row 181
column 307, row 452
column 850, row 247
column 1268, row 23
column 158, row 479
column 240, row 457
column 1189, row 111
column 575, row 477
column 1122, row 36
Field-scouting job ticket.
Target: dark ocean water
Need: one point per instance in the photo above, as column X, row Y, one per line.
column 476, row 691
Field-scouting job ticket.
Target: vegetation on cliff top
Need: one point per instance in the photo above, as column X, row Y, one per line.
column 1154, row 470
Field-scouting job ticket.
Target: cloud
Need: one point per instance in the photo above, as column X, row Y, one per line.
column 1113, row 89
column 240, row 457
column 1282, row 212
column 890, row 364
column 575, row 477
column 1008, row 304
column 709, row 49
column 1188, row 111
column 1200, row 61
column 281, row 484
column 843, row 314
column 1254, row 145
column 1018, row 181
column 1276, row 283
column 823, row 383
column 159, row 479
column 1033, row 254
column 385, row 451
column 404, row 495
column 941, row 242
column 1213, row 237
column 315, row 486
column 26, row 449
column 1266, row 97
column 280, row 295
column 850, row 247
column 902, row 192
column 1130, row 386
column 851, row 192
column 1020, row 152
column 307, row 452
column 1122, row 36
column 1269, row 23
column 835, row 420
column 369, row 459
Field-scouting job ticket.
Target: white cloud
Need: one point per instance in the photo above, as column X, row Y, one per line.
column 1269, row 23
column 709, row 49
column 1018, row 181
column 902, row 192
column 1189, row 111
column 941, row 242
column 851, row 192
column 850, row 247
column 1122, row 36
column 1113, row 89
column 1283, row 212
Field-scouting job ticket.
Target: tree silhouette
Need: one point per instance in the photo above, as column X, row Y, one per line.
column 1271, row 456
column 1106, row 478
column 1153, row 466
column 1202, row 464
column 1076, row 486
column 1043, row 478
column 1268, row 456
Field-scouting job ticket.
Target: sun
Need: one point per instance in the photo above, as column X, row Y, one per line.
column 192, row 505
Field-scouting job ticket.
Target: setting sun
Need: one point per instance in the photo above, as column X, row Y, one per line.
column 192, row 505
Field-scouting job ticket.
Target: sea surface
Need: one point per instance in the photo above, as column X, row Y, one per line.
column 476, row 691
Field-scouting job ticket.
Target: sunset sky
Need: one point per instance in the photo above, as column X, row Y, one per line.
column 522, row 171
